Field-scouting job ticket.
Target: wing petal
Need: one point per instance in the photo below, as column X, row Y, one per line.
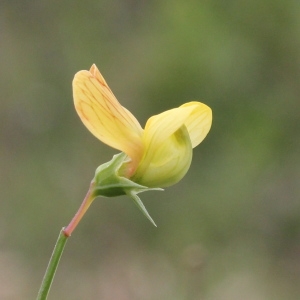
column 196, row 116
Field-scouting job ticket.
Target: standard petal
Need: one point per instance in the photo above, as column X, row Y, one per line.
column 104, row 116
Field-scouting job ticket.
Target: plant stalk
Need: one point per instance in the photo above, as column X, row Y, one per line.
column 60, row 244
column 52, row 266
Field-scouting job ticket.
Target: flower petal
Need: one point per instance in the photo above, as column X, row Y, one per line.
column 104, row 116
column 196, row 116
column 199, row 121
column 168, row 163
column 168, row 140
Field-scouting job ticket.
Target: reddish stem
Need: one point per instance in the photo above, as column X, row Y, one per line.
column 80, row 213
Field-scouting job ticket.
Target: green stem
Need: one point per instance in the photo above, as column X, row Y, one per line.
column 61, row 242
column 52, row 266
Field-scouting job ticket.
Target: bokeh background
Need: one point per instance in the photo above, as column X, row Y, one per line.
column 230, row 229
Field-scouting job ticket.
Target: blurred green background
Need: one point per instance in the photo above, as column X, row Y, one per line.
column 230, row 229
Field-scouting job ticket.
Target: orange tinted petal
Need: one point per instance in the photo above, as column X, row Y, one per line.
column 104, row 116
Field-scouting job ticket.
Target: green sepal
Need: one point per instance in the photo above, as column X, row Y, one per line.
column 136, row 199
column 108, row 183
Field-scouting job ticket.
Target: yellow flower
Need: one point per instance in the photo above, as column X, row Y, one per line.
column 158, row 155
